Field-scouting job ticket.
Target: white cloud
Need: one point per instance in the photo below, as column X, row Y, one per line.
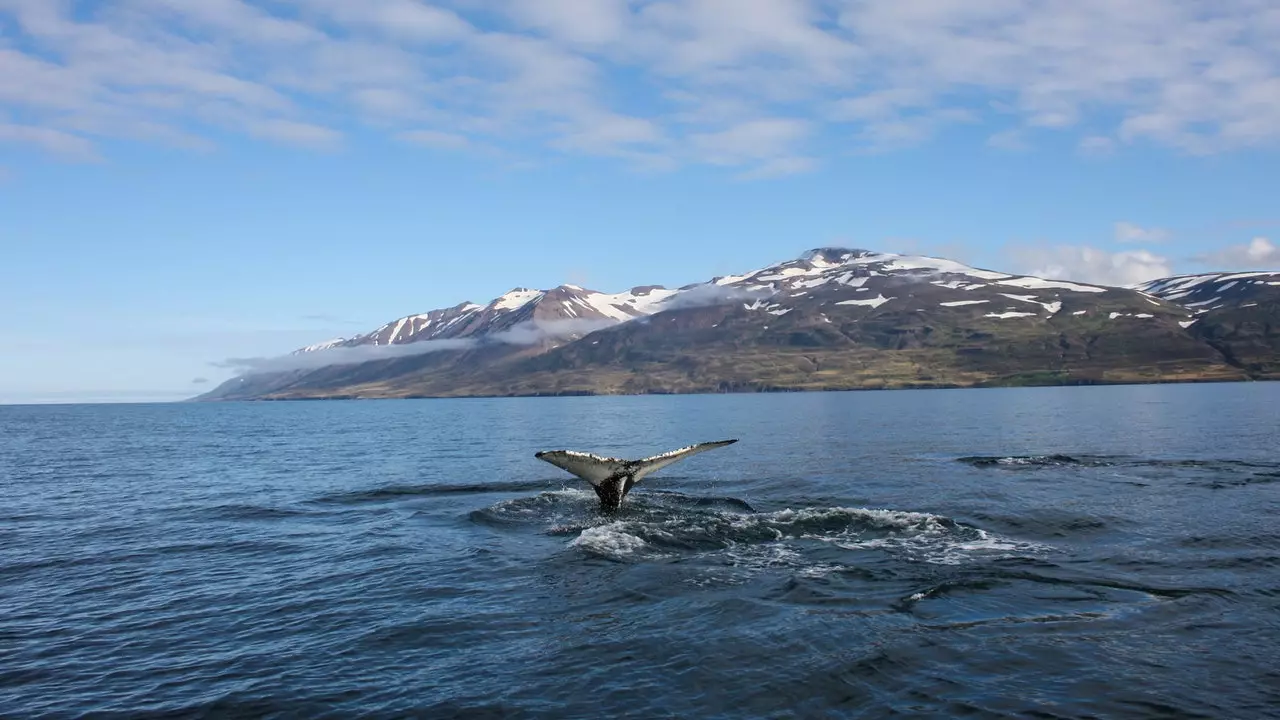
column 296, row 133
column 525, row 333
column 653, row 83
column 780, row 167
column 435, row 139
column 1096, row 146
column 54, row 141
column 1257, row 254
column 588, row 23
column 767, row 141
column 1127, row 232
column 1091, row 265
column 1013, row 140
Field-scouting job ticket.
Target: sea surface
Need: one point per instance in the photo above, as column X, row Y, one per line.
column 1109, row 552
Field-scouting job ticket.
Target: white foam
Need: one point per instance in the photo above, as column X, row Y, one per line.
column 610, row 540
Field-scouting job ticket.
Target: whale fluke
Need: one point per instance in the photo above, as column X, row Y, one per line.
column 613, row 478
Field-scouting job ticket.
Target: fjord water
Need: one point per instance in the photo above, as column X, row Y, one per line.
column 1058, row 552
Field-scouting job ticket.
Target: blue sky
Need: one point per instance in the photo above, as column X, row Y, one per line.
column 183, row 181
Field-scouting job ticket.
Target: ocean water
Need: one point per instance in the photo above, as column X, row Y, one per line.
column 1059, row 552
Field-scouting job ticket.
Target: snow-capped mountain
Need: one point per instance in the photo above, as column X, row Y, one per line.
column 831, row 318
column 861, row 278
column 836, row 276
column 569, row 309
column 1214, row 291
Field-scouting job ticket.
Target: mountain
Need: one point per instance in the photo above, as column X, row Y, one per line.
column 1238, row 314
column 833, row 318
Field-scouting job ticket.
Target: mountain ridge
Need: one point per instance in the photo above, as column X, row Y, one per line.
column 831, row 318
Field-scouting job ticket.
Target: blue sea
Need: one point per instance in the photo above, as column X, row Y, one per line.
column 1108, row 552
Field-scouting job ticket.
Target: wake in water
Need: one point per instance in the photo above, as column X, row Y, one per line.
column 1215, row 474
column 728, row 531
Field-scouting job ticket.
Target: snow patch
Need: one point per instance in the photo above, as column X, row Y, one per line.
column 1204, row 302
column 327, row 344
column 1034, row 283
column 874, row 302
column 813, row 283
column 516, row 299
column 1010, row 314
column 784, row 274
column 958, row 303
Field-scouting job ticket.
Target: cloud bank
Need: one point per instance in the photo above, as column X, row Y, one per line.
column 526, row 333
column 530, row 332
column 708, row 294
column 1091, row 265
column 759, row 87
column 1257, row 254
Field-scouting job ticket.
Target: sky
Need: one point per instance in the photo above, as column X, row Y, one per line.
column 185, row 181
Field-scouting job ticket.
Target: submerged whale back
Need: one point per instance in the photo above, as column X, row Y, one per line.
column 613, row 478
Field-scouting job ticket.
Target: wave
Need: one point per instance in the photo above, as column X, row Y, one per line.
column 1055, row 460
column 396, row 492
column 1212, row 473
column 252, row 512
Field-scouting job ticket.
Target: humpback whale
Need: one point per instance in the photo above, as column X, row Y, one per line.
column 613, row 478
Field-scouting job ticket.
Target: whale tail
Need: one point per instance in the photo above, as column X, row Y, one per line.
column 613, row 478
